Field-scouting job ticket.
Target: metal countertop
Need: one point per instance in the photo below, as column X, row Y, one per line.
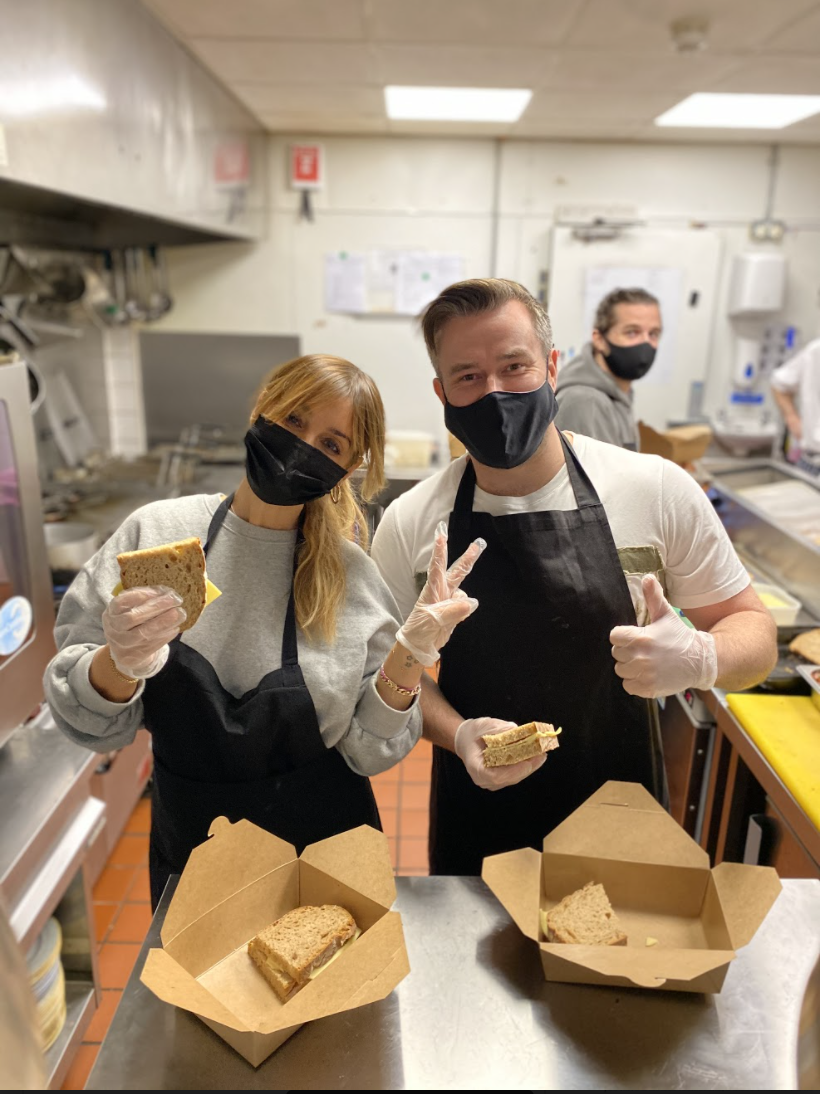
column 476, row 1013
column 43, row 781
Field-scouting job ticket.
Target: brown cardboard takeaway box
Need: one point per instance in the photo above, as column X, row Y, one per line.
column 682, row 443
column 238, row 882
column 660, row 886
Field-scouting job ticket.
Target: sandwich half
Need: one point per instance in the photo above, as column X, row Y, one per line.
column 584, row 918
column 296, row 946
column 180, row 566
column 521, row 743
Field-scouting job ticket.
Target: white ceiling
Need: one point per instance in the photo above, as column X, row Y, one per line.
column 598, row 68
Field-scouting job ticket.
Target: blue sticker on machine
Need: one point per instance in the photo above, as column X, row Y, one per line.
column 746, row 397
column 15, row 623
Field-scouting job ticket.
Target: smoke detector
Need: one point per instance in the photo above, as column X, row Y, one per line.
column 689, row 34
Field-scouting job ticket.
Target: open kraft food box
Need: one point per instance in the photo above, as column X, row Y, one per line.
column 682, row 443
column 241, row 880
column 660, row 886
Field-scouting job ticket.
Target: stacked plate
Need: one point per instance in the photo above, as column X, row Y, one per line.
column 48, row 982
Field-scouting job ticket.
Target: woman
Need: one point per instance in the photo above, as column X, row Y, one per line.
column 294, row 685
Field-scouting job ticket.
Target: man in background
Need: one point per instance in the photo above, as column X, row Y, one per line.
column 594, row 390
column 800, row 377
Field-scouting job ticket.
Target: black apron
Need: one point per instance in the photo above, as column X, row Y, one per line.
column 259, row 757
column 550, row 589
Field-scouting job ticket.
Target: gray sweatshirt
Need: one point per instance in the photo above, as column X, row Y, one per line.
column 591, row 403
column 240, row 634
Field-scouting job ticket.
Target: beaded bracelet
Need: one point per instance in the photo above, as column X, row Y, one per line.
column 395, row 687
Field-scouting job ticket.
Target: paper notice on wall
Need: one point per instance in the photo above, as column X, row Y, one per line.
column 421, row 275
column 345, row 282
column 664, row 282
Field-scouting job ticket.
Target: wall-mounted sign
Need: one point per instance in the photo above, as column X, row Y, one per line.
column 307, row 167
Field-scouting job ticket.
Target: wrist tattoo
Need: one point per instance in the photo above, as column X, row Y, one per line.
column 410, row 661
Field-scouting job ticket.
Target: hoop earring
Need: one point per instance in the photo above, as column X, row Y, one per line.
column 336, row 494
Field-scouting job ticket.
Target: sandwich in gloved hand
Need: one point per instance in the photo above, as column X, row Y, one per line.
column 510, row 746
column 179, row 566
column 298, row 945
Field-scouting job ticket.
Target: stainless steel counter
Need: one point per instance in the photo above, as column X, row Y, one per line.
column 44, row 794
column 476, row 1013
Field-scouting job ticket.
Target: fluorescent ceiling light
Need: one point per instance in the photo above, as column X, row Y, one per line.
column 19, row 98
column 724, row 111
column 456, row 104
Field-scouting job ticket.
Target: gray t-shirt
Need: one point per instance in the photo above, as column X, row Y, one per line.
column 240, row 634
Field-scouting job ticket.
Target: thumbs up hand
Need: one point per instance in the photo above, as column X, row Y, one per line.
column 666, row 655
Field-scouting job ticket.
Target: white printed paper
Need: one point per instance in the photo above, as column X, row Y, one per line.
column 421, row 276
column 345, row 282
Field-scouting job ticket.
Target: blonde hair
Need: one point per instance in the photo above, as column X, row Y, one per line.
column 478, row 295
column 307, row 382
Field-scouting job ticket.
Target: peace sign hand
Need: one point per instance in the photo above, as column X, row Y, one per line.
column 442, row 604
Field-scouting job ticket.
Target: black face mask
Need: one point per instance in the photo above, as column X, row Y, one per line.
column 630, row 362
column 504, row 428
column 283, row 470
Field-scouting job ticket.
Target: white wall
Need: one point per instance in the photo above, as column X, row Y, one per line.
column 439, row 194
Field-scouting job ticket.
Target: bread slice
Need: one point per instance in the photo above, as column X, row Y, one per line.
column 299, row 943
column 585, row 918
column 180, row 566
column 807, row 645
column 510, row 746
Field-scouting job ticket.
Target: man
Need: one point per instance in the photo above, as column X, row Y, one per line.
column 594, row 390
column 800, row 376
column 554, row 638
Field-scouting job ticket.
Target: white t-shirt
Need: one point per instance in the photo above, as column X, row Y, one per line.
column 800, row 375
column 649, row 502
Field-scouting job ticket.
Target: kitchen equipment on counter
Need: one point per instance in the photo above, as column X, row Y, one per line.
column 785, row 729
column 68, row 421
column 785, row 676
column 783, row 607
column 70, row 544
column 811, row 674
column 408, row 448
column 26, row 608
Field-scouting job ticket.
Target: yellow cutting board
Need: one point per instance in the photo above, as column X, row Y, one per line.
column 786, row 729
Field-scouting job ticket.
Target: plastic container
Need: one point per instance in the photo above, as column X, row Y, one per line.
column 807, row 672
column 783, row 607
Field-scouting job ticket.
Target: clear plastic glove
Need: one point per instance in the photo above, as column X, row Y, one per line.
column 442, row 604
column 138, row 625
column 470, row 749
column 665, row 656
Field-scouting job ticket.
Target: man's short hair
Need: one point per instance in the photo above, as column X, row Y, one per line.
column 478, row 295
column 605, row 315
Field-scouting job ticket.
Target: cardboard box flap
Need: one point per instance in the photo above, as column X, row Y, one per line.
column 359, row 858
column 234, row 856
column 605, row 827
column 515, row 879
column 171, row 983
column 746, row 894
column 367, row 972
column 649, row 968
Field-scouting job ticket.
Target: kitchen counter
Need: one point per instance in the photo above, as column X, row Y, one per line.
column 764, row 772
column 476, row 1013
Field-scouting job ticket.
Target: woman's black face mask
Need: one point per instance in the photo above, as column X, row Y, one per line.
column 504, row 428
column 284, row 470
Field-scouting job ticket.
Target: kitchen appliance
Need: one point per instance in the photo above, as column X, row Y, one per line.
column 26, row 608
column 742, row 414
column 70, row 544
column 688, row 733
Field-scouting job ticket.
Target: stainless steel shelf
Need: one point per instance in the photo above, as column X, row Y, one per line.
column 80, row 1007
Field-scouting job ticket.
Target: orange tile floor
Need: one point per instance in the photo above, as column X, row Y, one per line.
column 122, row 909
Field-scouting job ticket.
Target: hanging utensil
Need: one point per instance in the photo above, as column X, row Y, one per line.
column 159, row 299
column 135, row 305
